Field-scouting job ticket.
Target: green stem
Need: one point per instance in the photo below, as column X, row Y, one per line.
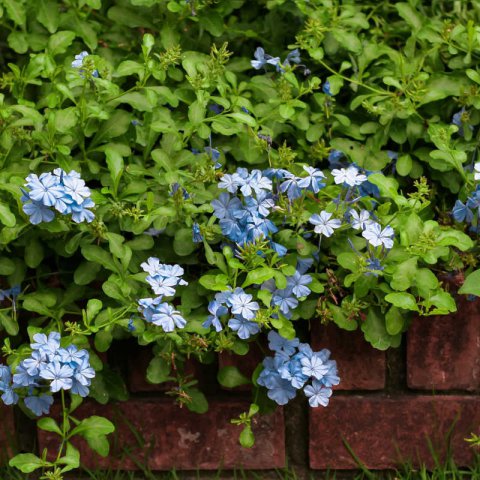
column 352, row 80
column 64, row 426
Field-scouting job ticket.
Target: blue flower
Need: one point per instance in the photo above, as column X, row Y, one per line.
column 39, row 405
column 255, row 182
column 317, row 394
column 60, row 376
column 46, row 345
column 217, row 109
column 324, row 225
column 298, row 284
column 197, row 236
column 377, row 237
column 34, row 363
column 242, row 304
column 244, row 328
column 168, row 318
column 44, row 189
column 374, row 267
column 245, row 110
column 281, row 345
column 313, row 181
column 262, row 59
column 462, row 213
column 214, row 155
column 38, row 212
column 334, row 158
column 217, row 310
column 22, row 378
column 280, row 390
column 83, row 372
column 291, row 370
column 290, row 186
column 313, row 367
column 326, row 89
column 293, row 56
column 78, row 62
column 226, row 207
column 175, row 187
column 285, row 300
column 230, row 182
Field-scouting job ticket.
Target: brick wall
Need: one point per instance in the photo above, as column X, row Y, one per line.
column 391, row 407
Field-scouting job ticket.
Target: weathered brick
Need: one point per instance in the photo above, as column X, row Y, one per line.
column 177, row 438
column 443, row 353
column 360, row 366
column 7, row 433
column 384, row 432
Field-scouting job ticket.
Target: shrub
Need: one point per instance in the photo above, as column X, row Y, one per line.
column 290, row 161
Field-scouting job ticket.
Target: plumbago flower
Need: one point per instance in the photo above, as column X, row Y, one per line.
column 292, row 367
column 50, row 368
column 58, row 191
column 163, row 279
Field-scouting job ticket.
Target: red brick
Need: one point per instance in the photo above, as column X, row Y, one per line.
column 7, row 435
column 360, row 366
column 384, row 432
column 443, row 353
column 177, row 438
column 245, row 363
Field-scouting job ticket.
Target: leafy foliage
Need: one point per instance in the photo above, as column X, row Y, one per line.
column 165, row 102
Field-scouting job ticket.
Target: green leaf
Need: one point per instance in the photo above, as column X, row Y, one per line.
column 376, row 333
column 117, row 124
column 34, row 253
column 97, row 254
column 9, row 324
column 394, row 321
column 48, row 14
column 471, row 285
column 243, row 118
column 158, row 370
column 402, row 300
column 183, row 242
column 92, row 426
column 60, row 41
column 49, row 425
column 86, row 273
column 231, row 377
column 198, row 403
column 26, row 462
column 16, row 11
column 71, row 459
column 258, row 276
column 94, row 306
column 410, row 15
column 247, row 438
column 18, row 41
column 6, row 216
column 7, row 266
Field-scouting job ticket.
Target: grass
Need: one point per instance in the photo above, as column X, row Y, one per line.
column 447, row 471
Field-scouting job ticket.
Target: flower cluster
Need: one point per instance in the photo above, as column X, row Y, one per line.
column 245, row 221
column 57, row 190
column 292, row 367
column 469, row 212
column 163, row 279
column 287, row 299
column 263, row 59
column 81, row 65
column 49, row 367
column 240, row 307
